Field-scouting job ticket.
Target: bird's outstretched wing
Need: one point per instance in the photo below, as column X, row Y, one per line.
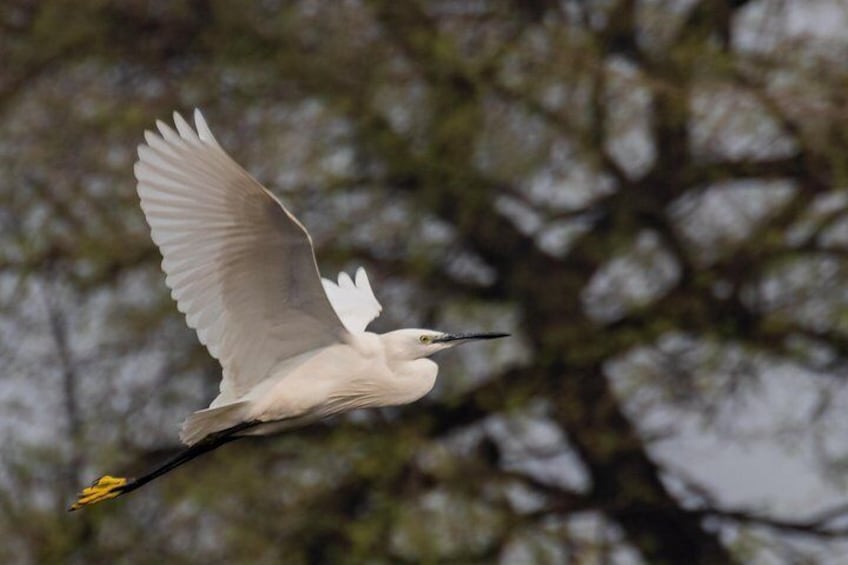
column 353, row 300
column 240, row 266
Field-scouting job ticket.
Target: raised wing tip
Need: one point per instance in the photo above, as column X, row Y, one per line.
column 182, row 131
column 149, row 137
column 167, row 132
column 203, row 128
column 354, row 302
column 362, row 278
column 345, row 281
column 186, row 131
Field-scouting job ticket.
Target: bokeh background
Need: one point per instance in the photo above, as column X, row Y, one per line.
column 650, row 195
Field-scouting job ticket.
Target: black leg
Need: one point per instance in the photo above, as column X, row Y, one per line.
column 107, row 487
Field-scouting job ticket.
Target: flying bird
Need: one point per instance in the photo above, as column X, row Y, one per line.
column 293, row 347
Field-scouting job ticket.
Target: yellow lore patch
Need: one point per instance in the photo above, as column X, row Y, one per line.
column 104, row 488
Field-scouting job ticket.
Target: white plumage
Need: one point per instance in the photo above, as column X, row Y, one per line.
column 353, row 301
column 293, row 347
column 241, row 267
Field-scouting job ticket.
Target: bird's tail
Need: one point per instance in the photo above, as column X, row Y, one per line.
column 206, row 422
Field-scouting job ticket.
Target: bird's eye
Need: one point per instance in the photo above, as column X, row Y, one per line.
column 425, row 339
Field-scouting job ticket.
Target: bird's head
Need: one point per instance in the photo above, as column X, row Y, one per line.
column 418, row 343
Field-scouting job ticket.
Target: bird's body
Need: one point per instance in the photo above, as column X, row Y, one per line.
column 358, row 374
column 293, row 347
column 361, row 373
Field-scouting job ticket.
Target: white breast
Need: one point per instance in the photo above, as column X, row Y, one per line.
column 340, row 378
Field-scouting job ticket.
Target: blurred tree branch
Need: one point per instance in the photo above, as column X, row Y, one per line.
column 551, row 63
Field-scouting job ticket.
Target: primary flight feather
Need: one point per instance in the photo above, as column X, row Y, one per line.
column 293, row 347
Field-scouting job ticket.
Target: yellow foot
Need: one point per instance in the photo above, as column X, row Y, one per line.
column 104, row 488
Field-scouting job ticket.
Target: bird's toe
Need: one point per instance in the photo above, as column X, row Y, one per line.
column 104, row 488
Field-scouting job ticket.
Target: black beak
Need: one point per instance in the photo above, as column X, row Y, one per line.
column 468, row 337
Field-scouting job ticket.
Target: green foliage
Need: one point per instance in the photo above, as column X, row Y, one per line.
column 448, row 146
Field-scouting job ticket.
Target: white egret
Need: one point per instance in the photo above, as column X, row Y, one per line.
column 293, row 347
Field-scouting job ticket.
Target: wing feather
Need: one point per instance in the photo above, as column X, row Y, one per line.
column 354, row 302
column 239, row 265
